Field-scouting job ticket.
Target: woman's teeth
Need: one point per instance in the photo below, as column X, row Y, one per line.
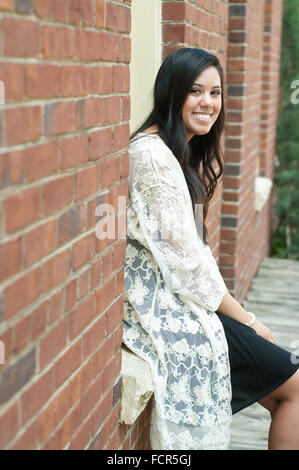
column 202, row 117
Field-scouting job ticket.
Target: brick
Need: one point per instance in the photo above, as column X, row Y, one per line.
column 60, row 10
column 121, row 137
column 39, row 320
column 100, row 13
column 82, row 437
column 21, row 334
column 74, row 151
column 10, row 255
column 175, row 33
column 106, row 265
column 43, row 80
column 81, row 317
column 87, row 12
column 237, row 10
column 110, row 171
column 119, row 255
column 11, row 169
column 103, row 355
column 57, row 42
column 8, row 423
column 75, row 11
column 101, row 412
column 23, row 124
column 121, row 78
column 126, row 50
column 111, row 16
column 14, row 32
column 117, row 392
column 99, row 80
column 41, row 160
column 35, row 396
column 70, row 224
column 70, row 295
column 83, row 251
column 112, row 370
column 126, row 108
column 39, row 242
column 54, row 271
column 87, row 182
column 123, row 19
column 15, row 376
column 58, row 193
column 43, row 7
column 74, row 80
column 24, row 6
column 118, row 337
column 93, row 337
column 53, row 343
column 94, row 112
column 68, row 363
column 54, row 413
column 7, row 5
column 114, row 315
column 95, row 274
column 12, row 75
column 88, row 46
column 55, row 306
column 174, row 11
column 28, row 439
column 59, row 118
column 83, row 284
column 100, row 143
column 105, row 295
column 23, row 208
column 110, row 46
column 113, row 109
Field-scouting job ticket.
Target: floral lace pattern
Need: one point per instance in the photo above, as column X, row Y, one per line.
column 172, row 289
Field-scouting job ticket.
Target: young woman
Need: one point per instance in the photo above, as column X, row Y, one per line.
column 209, row 357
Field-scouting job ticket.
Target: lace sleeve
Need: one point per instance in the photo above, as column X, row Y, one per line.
column 161, row 201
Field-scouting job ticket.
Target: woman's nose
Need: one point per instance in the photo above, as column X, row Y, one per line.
column 206, row 99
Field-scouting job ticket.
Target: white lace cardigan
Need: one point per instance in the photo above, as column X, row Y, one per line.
column 172, row 289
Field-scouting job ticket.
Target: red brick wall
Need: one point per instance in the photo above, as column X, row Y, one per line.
column 64, row 138
column 252, row 93
column 63, row 151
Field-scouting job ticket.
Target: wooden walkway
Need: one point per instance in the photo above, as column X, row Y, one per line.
column 274, row 297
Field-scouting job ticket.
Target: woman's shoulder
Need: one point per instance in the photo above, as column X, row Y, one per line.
column 150, row 144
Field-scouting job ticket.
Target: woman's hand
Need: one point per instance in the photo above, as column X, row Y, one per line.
column 263, row 331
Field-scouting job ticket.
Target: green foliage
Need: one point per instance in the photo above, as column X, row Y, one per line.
column 285, row 240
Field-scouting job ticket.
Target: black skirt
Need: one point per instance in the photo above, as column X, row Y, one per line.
column 257, row 366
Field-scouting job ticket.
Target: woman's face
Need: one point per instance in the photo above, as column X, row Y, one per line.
column 203, row 103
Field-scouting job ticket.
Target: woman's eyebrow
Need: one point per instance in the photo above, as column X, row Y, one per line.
column 199, row 84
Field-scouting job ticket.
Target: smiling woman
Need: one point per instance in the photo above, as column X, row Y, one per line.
column 209, row 358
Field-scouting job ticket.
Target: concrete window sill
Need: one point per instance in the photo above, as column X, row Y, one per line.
column 263, row 188
column 137, row 386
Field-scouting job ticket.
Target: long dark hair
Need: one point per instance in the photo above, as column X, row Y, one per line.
column 172, row 86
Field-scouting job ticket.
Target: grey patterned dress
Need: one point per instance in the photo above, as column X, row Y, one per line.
column 172, row 289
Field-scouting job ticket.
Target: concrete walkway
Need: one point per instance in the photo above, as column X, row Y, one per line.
column 274, row 298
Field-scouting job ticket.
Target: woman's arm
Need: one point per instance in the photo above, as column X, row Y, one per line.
column 230, row 307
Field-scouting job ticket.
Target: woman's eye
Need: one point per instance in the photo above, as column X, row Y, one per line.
column 197, row 92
